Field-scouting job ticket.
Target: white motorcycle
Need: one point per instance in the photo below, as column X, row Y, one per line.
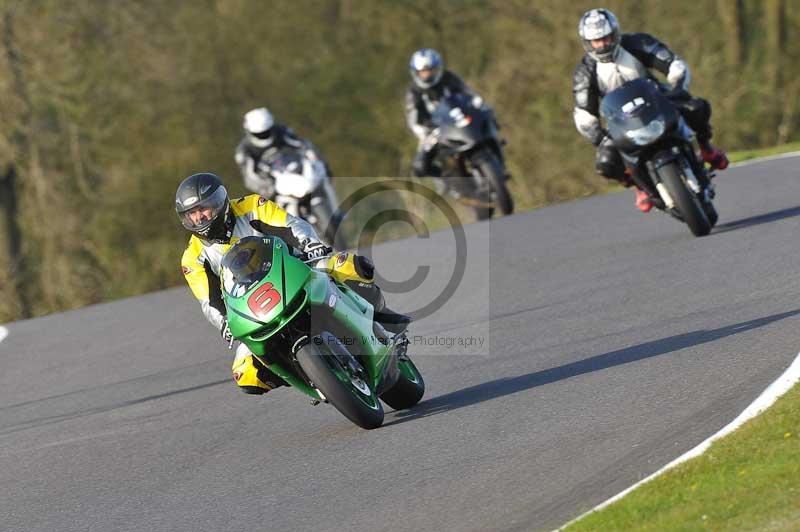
column 303, row 188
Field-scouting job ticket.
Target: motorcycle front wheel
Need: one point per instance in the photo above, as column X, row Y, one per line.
column 686, row 202
column 490, row 168
column 348, row 391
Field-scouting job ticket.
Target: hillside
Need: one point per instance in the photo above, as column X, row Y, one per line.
column 107, row 105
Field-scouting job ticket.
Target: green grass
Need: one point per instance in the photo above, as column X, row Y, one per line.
column 744, row 155
column 749, row 480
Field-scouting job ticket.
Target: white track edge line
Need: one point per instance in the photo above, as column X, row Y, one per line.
column 778, row 387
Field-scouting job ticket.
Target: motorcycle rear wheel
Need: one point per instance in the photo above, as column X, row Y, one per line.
column 409, row 388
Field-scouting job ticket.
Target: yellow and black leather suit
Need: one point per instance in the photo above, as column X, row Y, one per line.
column 254, row 215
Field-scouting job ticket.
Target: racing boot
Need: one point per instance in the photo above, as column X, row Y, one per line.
column 251, row 375
column 643, row 201
column 714, row 156
column 392, row 321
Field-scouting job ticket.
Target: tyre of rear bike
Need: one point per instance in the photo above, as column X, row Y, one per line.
column 409, row 388
column 483, row 213
column 685, row 200
column 354, row 400
column 492, row 170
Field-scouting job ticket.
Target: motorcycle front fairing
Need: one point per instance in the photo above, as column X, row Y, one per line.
column 462, row 127
column 296, row 176
column 265, row 288
column 644, row 126
column 261, row 280
column 638, row 116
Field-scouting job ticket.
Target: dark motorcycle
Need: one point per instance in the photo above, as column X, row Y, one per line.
column 656, row 144
column 470, row 154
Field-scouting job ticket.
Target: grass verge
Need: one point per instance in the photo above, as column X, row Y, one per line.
column 744, row 155
column 749, row 480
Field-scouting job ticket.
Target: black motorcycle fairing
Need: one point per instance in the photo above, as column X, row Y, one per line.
column 633, row 106
column 462, row 126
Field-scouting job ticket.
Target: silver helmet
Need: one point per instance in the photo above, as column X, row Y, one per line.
column 202, row 205
column 598, row 24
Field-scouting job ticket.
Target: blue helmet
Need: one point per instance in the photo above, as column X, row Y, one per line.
column 426, row 67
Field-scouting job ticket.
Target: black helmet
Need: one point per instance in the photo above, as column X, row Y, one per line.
column 599, row 24
column 204, row 192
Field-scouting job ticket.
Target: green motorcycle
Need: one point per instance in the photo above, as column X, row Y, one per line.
column 318, row 335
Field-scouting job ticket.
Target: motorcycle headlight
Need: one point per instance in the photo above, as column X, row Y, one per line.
column 647, row 134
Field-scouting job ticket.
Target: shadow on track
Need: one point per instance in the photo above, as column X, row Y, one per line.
column 509, row 385
column 483, row 320
column 758, row 220
column 57, row 418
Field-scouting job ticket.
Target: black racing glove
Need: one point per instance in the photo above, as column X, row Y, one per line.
column 225, row 331
column 316, row 250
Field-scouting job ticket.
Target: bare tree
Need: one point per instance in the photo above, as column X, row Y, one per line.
column 10, row 245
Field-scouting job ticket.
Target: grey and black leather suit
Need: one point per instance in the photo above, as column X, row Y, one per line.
column 419, row 105
column 253, row 161
column 638, row 54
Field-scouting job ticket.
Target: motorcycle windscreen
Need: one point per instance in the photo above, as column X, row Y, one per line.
column 262, row 286
column 633, row 106
column 450, row 109
column 245, row 264
column 295, row 175
column 286, row 160
column 460, row 125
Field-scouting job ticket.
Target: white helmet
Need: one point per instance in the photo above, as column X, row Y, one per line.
column 258, row 126
column 597, row 24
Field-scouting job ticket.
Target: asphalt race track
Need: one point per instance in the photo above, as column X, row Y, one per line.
column 613, row 342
